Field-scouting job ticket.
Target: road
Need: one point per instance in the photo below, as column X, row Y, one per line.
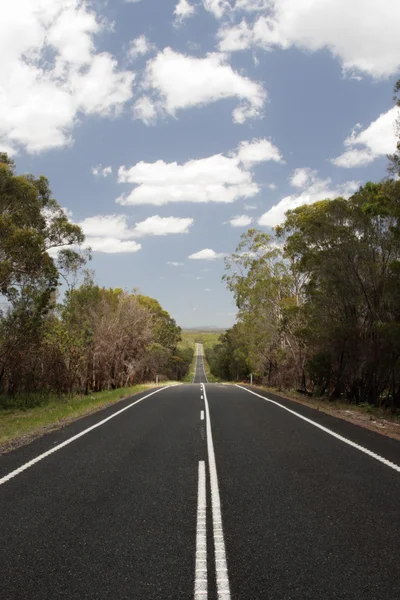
column 202, row 491
column 199, row 372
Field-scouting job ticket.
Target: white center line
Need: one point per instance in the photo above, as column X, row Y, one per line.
column 202, row 415
column 200, row 584
column 223, row 590
column 75, row 437
column 386, row 462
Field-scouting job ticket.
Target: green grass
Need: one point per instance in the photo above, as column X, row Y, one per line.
column 23, row 425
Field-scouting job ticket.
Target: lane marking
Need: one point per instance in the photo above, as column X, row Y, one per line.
column 223, row 589
column 386, row 462
column 202, row 415
column 200, row 582
column 75, row 437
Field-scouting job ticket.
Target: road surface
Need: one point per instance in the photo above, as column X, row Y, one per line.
column 202, row 492
column 199, row 372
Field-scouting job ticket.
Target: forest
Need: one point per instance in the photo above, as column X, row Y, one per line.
column 94, row 339
column 318, row 299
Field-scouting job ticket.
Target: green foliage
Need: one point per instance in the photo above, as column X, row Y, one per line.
column 319, row 306
column 97, row 339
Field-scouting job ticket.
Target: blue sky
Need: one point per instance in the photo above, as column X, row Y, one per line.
column 168, row 127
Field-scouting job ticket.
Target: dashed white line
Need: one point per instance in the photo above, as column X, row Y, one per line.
column 200, row 583
column 75, row 437
column 386, row 462
column 202, row 415
column 223, row 589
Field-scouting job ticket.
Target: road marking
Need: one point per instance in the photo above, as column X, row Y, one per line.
column 200, row 582
column 202, row 415
column 75, row 437
column 223, row 590
column 386, row 462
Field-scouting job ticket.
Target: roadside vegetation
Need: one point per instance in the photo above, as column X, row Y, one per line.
column 319, row 300
column 94, row 340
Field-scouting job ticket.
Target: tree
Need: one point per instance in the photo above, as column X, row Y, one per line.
column 33, row 225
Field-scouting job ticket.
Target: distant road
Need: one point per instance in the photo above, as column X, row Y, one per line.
column 202, row 492
column 199, row 372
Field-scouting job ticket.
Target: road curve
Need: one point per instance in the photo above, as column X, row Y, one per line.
column 202, row 491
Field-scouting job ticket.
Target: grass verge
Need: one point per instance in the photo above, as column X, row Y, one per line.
column 364, row 415
column 19, row 427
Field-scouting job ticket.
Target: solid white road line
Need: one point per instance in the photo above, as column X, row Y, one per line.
column 223, row 589
column 386, row 462
column 75, row 437
column 200, row 582
column 202, row 415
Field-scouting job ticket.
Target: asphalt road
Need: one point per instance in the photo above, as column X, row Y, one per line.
column 199, row 372
column 202, row 492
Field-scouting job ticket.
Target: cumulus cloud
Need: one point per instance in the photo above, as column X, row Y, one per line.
column 100, row 171
column 351, row 31
column 162, row 226
column 217, row 7
column 258, row 150
column 140, row 46
column 183, row 10
column 112, row 234
column 365, row 145
column 175, row 264
column 217, row 178
column 310, row 189
column 241, row 221
column 301, row 178
column 206, row 254
column 109, row 245
column 177, row 81
column 52, row 75
column 145, row 110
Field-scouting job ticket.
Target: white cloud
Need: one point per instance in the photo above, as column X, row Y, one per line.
column 162, row 226
column 250, row 207
column 140, row 46
column 217, row 178
column 206, row 254
column 272, row 186
column 175, row 264
column 145, row 110
column 112, row 234
column 217, row 7
column 241, row 221
column 258, row 150
column 183, row 10
column 313, row 190
column 365, row 145
column 207, row 290
column 351, row 31
column 302, row 177
column 111, row 245
column 100, row 171
column 178, row 81
column 51, row 74
column 252, row 5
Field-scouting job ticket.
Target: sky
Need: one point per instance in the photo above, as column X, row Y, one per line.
column 167, row 128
